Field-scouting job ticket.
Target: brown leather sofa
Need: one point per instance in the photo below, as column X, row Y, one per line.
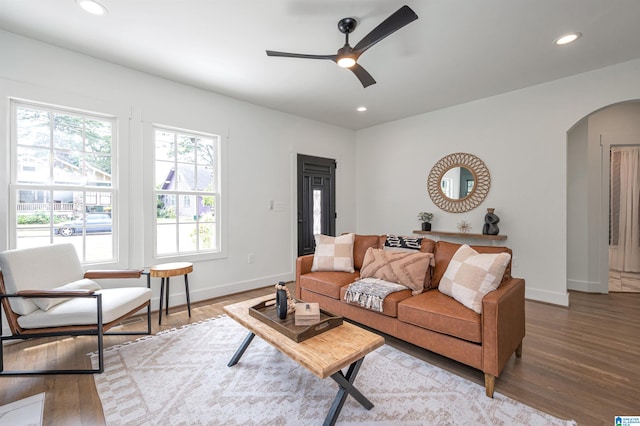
column 431, row 320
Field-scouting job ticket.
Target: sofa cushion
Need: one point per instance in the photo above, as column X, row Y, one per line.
column 38, row 268
column 116, row 302
column 408, row 269
column 46, row 303
column 333, row 253
column 438, row 312
column 444, row 251
column 360, row 246
column 470, row 276
column 327, row 283
column 389, row 305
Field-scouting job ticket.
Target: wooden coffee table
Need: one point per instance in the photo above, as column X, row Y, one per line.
column 325, row 355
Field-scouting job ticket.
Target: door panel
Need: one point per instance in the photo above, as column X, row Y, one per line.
column 316, row 200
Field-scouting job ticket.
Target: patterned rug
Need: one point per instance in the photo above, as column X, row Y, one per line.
column 181, row 377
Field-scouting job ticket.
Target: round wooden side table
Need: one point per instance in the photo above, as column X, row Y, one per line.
column 164, row 271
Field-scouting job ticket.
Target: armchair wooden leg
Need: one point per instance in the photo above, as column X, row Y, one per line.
column 519, row 351
column 489, row 384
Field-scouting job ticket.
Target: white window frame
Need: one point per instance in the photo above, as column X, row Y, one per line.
column 219, row 252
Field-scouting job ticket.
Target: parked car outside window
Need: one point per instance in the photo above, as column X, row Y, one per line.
column 93, row 222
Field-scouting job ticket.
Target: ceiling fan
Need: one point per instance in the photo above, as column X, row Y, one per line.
column 347, row 56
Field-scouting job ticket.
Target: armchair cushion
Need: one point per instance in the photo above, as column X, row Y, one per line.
column 40, row 268
column 46, row 303
column 116, row 302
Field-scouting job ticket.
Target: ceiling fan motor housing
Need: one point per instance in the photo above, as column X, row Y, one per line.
column 347, row 25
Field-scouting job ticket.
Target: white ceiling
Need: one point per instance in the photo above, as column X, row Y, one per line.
column 457, row 51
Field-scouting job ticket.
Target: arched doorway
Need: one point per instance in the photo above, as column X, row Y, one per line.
column 589, row 144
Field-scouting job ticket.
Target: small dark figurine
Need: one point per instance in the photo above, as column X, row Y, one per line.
column 491, row 223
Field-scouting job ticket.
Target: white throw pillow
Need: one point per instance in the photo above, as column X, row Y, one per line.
column 333, row 253
column 470, row 276
column 46, row 303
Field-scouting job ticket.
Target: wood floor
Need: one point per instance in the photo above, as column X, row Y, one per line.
column 580, row 363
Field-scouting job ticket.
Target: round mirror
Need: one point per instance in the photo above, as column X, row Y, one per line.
column 458, row 182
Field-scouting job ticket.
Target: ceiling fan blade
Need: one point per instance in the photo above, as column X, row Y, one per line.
column 403, row 16
column 300, row 55
column 362, row 74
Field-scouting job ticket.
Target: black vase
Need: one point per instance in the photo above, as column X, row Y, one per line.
column 281, row 303
column 491, row 223
column 426, row 226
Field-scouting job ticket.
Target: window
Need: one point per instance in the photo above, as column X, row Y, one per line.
column 187, row 192
column 62, row 176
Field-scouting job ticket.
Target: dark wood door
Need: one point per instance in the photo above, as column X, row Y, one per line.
column 316, row 200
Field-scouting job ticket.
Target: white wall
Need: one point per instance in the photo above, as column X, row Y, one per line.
column 522, row 138
column 261, row 148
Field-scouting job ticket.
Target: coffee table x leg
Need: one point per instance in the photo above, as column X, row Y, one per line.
column 345, row 383
column 346, row 388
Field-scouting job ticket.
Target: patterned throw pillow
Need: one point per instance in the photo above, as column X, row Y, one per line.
column 470, row 276
column 397, row 243
column 333, row 253
column 408, row 269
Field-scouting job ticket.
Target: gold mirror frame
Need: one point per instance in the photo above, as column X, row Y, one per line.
column 481, row 176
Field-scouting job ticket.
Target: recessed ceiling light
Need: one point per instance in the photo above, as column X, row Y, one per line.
column 92, row 6
column 567, row 38
column 361, row 109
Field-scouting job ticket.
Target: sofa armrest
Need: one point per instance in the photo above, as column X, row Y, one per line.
column 113, row 273
column 303, row 266
column 503, row 325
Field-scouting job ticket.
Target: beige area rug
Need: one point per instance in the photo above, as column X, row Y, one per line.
column 181, row 377
column 24, row 412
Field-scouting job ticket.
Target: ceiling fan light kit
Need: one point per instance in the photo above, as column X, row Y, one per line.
column 347, row 56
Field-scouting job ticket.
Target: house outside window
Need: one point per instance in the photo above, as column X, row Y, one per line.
column 187, row 189
column 62, row 180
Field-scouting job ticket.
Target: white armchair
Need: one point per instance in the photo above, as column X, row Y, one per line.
column 45, row 292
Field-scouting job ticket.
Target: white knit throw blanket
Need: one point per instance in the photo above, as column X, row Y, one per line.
column 370, row 292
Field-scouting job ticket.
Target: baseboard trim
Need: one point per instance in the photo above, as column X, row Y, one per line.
column 554, row 298
column 584, row 286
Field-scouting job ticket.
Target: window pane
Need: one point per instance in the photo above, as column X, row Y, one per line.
column 98, row 136
column 33, row 127
column 188, row 209
column 166, row 239
column 206, row 179
column 188, row 238
column 33, row 165
column 98, row 169
column 186, row 149
column 165, row 145
column 68, row 132
column 33, row 217
column 165, row 175
column 317, row 211
column 207, row 236
column 67, row 168
column 166, row 209
column 207, row 205
column 186, row 177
